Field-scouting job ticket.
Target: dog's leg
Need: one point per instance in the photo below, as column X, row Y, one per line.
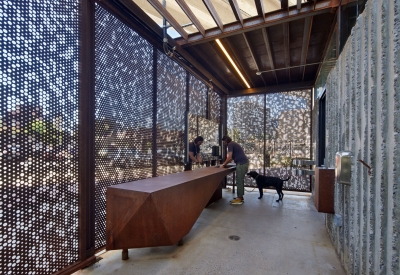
column 279, row 190
column 261, row 192
column 279, row 195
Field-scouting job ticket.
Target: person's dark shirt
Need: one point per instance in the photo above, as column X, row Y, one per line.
column 238, row 155
column 194, row 149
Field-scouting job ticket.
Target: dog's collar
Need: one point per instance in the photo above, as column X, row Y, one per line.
column 257, row 176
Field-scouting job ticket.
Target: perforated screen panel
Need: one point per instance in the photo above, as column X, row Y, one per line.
column 39, row 136
column 215, row 107
column 246, row 127
column 124, row 110
column 208, row 129
column 171, row 106
column 197, row 97
column 287, row 133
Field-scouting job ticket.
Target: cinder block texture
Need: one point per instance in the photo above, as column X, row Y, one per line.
column 363, row 107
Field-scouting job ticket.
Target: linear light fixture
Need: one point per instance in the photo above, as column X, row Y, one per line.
column 233, row 63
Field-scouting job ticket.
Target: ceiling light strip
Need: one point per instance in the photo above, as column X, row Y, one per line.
column 233, row 63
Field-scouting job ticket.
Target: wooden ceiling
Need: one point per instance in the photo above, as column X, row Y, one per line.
column 287, row 45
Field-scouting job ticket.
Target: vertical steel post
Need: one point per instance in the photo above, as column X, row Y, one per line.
column 155, row 130
column 86, row 168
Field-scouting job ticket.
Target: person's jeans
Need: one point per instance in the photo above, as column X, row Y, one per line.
column 241, row 170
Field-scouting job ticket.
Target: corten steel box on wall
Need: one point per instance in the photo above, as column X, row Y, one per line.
column 343, row 167
column 324, row 190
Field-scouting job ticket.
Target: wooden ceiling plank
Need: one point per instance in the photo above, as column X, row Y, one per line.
column 273, row 89
column 260, row 8
column 269, row 52
column 251, row 49
column 306, row 42
column 236, row 11
column 222, row 56
column 186, row 9
column 258, row 22
column 164, row 13
column 214, row 14
column 286, row 46
column 236, row 58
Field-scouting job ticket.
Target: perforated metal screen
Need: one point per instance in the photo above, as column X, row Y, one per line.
column 39, row 136
column 208, row 129
column 171, row 106
column 287, row 125
column 197, row 97
column 215, row 107
column 124, row 109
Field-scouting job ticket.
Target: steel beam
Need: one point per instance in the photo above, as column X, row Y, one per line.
column 191, row 16
column 260, row 8
column 236, row 58
column 164, row 13
column 236, row 11
column 222, row 56
column 306, row 42
column 258, row 22
column 214, row 14
column 211, row 64
column 286, row 46
column 252, row 55
column 273, row 89
column 269, row 52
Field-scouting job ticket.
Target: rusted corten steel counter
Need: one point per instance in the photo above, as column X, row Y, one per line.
column 158, row 211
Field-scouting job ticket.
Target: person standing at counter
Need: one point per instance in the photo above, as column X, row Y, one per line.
column 236, row 153
column 194, row 150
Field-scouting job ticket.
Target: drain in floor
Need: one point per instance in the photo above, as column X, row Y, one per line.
column 234, row 238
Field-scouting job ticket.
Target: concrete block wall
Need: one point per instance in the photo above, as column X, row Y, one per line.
column 363, row 116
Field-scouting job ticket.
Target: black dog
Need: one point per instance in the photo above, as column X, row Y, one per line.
column 264, row 182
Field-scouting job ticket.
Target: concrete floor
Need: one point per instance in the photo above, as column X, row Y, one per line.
column 275, row 238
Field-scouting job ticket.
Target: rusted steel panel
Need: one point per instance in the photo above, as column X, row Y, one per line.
column 158, row 211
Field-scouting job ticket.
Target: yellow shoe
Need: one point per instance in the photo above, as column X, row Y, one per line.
column 237, row 201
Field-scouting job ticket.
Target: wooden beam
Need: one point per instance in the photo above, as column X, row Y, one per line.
column 214, row 14
column 236, row 58
column 269, row 52
column 236, row 11
column 164, row 13
column 191, row 16
column 286, row 46
column 273, row 89
column 258, row 22
column 260, row 8
column 251, row 49
column 306, row 42
column 131, row 15
column 218, row 51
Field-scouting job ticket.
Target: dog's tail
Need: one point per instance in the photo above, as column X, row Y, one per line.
column 287, row 178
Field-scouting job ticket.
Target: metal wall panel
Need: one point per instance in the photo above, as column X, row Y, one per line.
column 215, row 107
column 197, row 97
column 124, row 109
column 39, row 136
column 171, row 107
column 287, row 123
